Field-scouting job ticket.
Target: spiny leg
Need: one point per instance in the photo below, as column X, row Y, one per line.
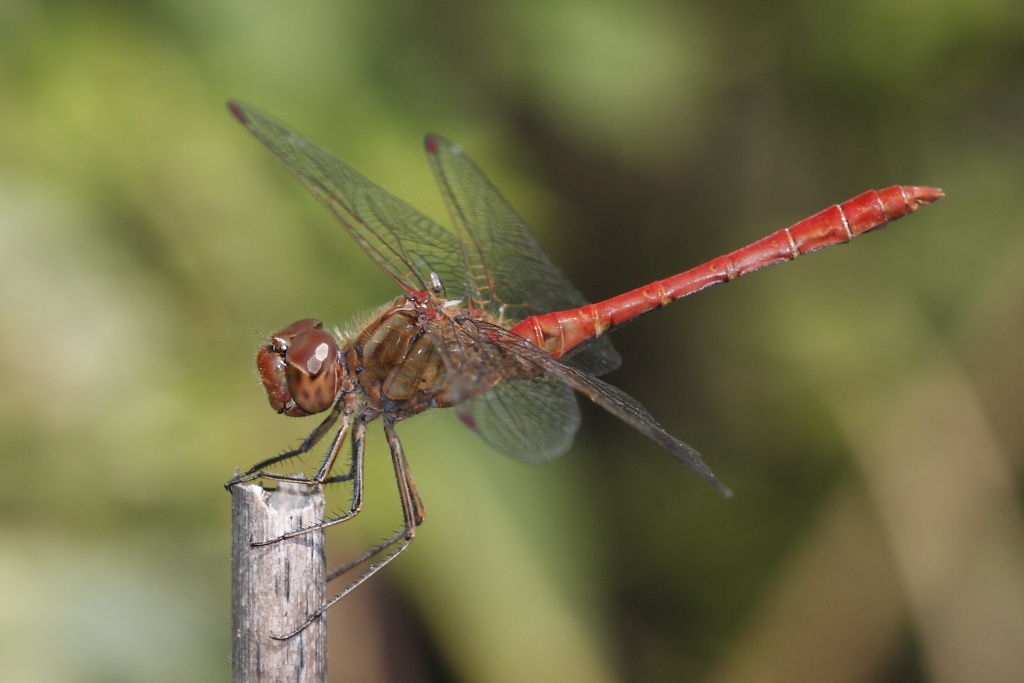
column 344, row 408
column 412, row 513
column 355, row 474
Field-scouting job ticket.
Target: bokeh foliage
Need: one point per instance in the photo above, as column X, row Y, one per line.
column 863, row 403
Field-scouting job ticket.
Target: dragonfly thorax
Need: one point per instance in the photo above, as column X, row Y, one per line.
column 397, row 361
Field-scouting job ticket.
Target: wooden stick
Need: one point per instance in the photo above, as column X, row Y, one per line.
column 274, row 588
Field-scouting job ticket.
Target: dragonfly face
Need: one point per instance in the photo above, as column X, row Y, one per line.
column 301, row 369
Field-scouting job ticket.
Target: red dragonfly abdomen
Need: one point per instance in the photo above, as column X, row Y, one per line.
column 561, row 331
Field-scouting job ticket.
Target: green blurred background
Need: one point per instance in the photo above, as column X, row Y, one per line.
column 864, row 403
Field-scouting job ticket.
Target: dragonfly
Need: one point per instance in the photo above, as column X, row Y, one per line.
column 486, row 324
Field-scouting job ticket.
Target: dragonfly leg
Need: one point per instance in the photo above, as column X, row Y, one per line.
column 413, row 515
column 343, row 409
column 355, row 475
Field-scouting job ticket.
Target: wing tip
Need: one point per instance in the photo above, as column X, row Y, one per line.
column 436, row 144
column 431, row 143
column 238, row 112
column 692, row 459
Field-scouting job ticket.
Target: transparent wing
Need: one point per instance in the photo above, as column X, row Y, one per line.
column 508, row 272
column 493, row 259
column 532, row 421
column 407, row 245
column 506, row 399
column 614, row 400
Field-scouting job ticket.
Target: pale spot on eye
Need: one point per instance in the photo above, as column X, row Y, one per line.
column 317, row 361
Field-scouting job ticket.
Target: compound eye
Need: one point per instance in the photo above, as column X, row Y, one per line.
column 283, row 340
column 300, row 369
column 312, row 368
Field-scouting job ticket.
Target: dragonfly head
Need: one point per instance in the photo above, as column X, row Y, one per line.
column 301, row 369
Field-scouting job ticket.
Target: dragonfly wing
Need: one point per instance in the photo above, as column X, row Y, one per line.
column 532, row 421
column 614, row 400
column 407, row 245
column 629, row 410
column 507, row 400
column 508, row 272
